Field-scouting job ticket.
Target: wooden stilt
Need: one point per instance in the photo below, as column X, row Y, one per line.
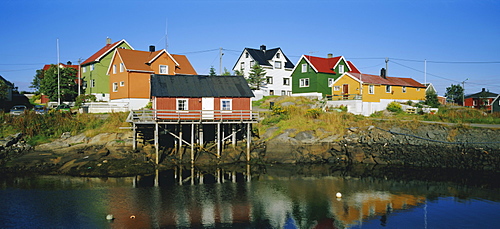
column 233, row 140
column 157, row 144
column 218, row 140
column 249, row 140
column 192, row 143
column 134, row 136
column 180, row 142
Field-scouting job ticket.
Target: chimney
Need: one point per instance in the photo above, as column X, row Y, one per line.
column 484, row 89
column 151, row 48
column 69, row 63
column 108, row 40
column 330, row 55
column 263, row 48
column 382, row 73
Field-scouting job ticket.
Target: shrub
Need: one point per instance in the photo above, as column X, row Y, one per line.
column 314, row 113
column 83, row 99
column 394, row 107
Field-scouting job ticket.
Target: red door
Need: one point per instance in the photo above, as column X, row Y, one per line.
column 345, row 91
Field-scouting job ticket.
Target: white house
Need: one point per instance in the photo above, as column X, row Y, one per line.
column 278, row 69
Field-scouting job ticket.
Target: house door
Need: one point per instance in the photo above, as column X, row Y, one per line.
column 207, row 108
column 345, row 91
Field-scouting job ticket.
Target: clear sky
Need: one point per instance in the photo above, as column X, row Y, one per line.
column 460, row 39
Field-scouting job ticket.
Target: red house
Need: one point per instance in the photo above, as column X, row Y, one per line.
column 480, row 100
column 196, row 97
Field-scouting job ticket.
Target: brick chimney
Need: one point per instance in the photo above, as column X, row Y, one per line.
column 382, row 73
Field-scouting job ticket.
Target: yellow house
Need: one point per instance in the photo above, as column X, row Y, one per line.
column 365, row 93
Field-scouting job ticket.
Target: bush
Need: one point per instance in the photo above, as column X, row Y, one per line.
column 314, row 113
column 83, row 99
column 394, row 107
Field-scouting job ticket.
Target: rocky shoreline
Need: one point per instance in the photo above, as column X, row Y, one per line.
column 111, row 154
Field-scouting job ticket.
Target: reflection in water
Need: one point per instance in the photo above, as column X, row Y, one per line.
column 269, row 197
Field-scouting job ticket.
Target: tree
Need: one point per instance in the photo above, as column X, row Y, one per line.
column 455, row 92
column 257, row 77
column 46, row 82
column 212, row 71
column 431, row 98
column 226, row 72
column 239, row 73
column 4, row 89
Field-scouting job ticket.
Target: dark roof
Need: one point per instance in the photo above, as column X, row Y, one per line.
column 199, row 86
column 262, row 57
column 6, row 82
column 482, row 94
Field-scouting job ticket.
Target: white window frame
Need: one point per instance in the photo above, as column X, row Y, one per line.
column 404, row 89
column 269, row 80
column 92, row 83
column 92, row 67
column 163, row 69
column 336, row 88
column 487, row 102
column 330, row 82
column 122, row 67
column 304, row 82
column 114, row 68
column 286, row 81
column 371, row 89
column 283, row 92
column 474, row 102
column 122, row 83
column 242, row 66
column 278, row 55
column 228, row 108
column 418, row 89
column 115, row 87
column 277, row 64
column 185, row 107
column 246, row 55
column 388, row 89
column 252, row 63
column 341, row 69
column 304, row 68
column 84, row 69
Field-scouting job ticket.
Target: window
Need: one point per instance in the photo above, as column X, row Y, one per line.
column 163, row 69
column 388, row 88
column 271, row 92
column 269, row 80
column 404, row 89
column 487, row 102
column 122, row 67
column 277, row 64
column 115, row 87
column 286, row 81
column 474, row 102
column 246, row 55
column 341, row 69
column 92, row 67
column 418, row 89
column 114, row 68
column 122, row 83
column 252, row 63
column 371, row 89
column 283, row 92
column 277, row 55
column 336, row 88
column 330, row 82
column 84, row 69
column 92, row 83
column 182, row 105
column 225, row 104
column 304, row 82
column 304, row 67
column 242, row 66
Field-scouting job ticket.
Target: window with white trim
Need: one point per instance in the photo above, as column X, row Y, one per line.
column 404, row 89
column 226, row 104
column 115, row 87
column 341, row 69
column 242, row 66
column 336, row 88
column 182, row 105
column 283, row 92
column 163, row 69
column 486, row 102
column 252, row 63
column 304, row 68
column 271, row 92
column 269, row 80
column 277, row 64
column 330, row 82
column 286, row 81
column 84, row 69
column 371, row 89
column 388, row 89
column 122, row 67
column 246, row 55
column 122, row 83
column 92, row 83
column 114, row 68
column 92, row 67
column 304, row 82
column 277, row 55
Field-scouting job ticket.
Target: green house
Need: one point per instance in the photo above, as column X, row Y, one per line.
column 94, row 70
column 314, row 76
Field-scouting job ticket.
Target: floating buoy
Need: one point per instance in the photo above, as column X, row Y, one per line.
column 110, row 217
column 132, row 216
column 338, row 195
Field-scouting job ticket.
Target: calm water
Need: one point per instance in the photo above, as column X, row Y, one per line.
column 263, row 197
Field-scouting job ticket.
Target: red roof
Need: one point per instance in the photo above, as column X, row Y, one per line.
column 326, row 65
column 394, row 81
column 47, row 66
column 101, row 52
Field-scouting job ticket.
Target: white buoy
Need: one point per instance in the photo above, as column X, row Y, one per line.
column 339, row 195
column 110, row 217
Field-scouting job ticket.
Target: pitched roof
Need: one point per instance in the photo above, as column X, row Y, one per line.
column 482, row 94
column 47, row 66
column 393, row 81
column 103, row 51
column 6, row 81
column 326, row 65
column 262, row 57
column 199, row 86
column 135, row 60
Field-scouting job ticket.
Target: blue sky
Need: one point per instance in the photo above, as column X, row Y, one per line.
column 460, row 39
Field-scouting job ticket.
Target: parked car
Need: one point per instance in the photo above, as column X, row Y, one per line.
column 18, row 110
column 40, row 109
column 63, row 108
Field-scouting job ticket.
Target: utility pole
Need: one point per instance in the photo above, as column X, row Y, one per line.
column 425, row 71
column 79, row 75
column 386, row 66
column 463, row 93
column 58, row 76
column 220, row 60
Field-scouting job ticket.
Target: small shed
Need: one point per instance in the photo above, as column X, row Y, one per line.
column 201, row 97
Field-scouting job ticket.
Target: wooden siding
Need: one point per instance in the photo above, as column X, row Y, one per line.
column 166, row 107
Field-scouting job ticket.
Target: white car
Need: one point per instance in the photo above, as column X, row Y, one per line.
column 17, row 110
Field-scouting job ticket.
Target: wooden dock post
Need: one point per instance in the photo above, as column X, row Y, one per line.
column 157, row 144
column 249, row 140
